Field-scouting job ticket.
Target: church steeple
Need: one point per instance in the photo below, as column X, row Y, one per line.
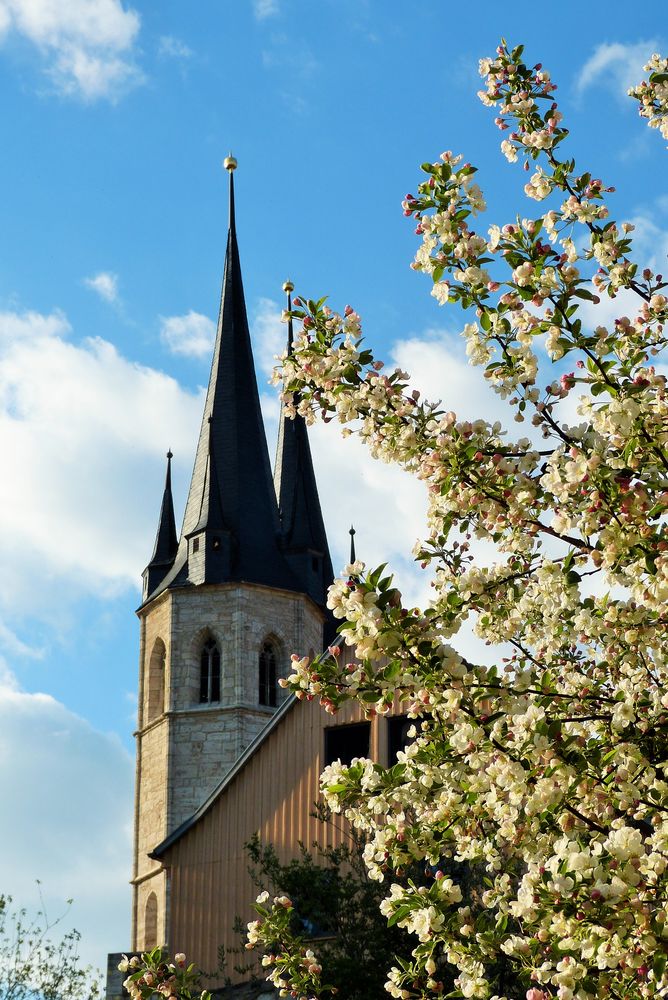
column 223, row 610
column 166, row 539
column 230, row 527
column 302, row 526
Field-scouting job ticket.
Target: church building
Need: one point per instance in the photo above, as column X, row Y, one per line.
column 222, row 752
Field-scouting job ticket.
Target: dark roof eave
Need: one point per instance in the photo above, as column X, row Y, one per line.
column 165, row 587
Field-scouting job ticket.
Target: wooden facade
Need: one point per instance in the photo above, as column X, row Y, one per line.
column 270, row 792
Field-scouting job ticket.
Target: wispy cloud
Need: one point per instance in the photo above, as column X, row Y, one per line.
column 174, row 48
column 87, row 47
column 269, row 334
column 104, row 284
column 279, row 55
column 191, row 335
column 11, row 643
column 615, row 66
column 262, row 9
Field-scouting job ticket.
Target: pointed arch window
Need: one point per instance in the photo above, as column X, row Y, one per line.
column 151, row 921
column 156, row 681
column 267, row 675
column 209, row 674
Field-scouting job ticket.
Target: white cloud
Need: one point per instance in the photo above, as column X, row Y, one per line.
column 83, row 432
column 17, row 326
column 174, row 48
column 77, row 845
column 649, row 249
column 104, row 284
column 191, row 335
column 262, row 9
column 616, row 66
column 436, row 362
column 269, row 335
column 87, row 45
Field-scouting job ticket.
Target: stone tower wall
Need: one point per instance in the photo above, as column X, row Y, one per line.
column 185, row 750
column 206, row 740
column 151, row 785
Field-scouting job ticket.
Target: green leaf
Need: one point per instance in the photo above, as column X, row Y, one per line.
column 399, row 914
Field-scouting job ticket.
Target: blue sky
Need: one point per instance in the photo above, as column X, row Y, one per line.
column 115, row 119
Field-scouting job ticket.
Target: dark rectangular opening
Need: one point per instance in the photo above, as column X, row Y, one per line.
column 345, row 742
column 397, row 736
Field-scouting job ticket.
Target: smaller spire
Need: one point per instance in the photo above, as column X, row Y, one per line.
column 352, row 534
column 166, row 539
column 302, row 527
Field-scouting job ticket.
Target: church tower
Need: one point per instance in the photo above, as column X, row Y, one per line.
column 224, row 604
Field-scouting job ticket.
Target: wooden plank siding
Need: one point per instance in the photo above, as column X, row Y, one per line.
column 272, row 794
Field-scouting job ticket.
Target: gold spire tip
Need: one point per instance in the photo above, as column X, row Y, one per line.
column 230, row 163
column 288, row 286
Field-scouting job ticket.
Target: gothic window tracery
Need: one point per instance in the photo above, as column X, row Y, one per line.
column 267, row 675
column 209, row 675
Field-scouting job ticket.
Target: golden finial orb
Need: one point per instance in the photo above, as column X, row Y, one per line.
column 230, row 163
column 288, row 286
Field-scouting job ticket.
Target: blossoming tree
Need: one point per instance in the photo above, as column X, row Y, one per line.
column 549, row 768
column 35, row 961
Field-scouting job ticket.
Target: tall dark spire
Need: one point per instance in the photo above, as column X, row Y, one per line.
column 166, row 539
column 302, row 526
column 352, row 534
column 230, row 527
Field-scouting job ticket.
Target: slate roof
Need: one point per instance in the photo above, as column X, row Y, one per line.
column 166, row 538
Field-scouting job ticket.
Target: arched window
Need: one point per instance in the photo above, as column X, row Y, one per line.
column 267, row 675
column 151, row 921
column 209, row 674
column 155, row 703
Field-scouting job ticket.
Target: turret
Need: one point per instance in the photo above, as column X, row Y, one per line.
column 302, row 526
column 166, row 539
